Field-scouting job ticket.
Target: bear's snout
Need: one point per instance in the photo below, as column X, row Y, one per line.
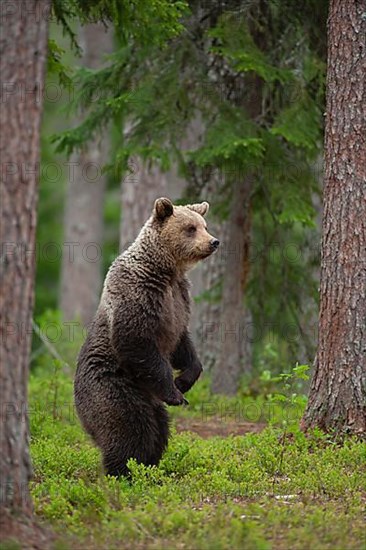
column 214, row 243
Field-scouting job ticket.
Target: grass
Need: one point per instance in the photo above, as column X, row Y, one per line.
column 268, row 490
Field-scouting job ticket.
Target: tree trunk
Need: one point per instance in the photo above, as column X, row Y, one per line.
column 233, row 329
column 24, row 31
column 208, row 308
column 338, row 387
column 81, row 272
column 139, row 190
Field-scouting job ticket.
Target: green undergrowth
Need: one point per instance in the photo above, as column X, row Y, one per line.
column 276, row 409
column 274, row 489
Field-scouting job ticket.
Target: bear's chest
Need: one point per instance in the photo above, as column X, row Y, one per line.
column 174, row 317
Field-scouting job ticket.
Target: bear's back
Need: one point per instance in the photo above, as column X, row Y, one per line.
column 96, row 353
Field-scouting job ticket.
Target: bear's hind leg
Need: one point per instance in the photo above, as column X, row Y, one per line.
column 144, row 437
column 115, row 462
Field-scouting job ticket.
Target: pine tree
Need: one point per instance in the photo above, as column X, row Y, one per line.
column 337, row 400
column 81, row 272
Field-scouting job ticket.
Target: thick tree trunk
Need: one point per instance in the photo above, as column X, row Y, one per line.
column 139, row 189
column 24, row 31
column 338, row 387
column 233, row 329
column 208, row 308
column 81, row 272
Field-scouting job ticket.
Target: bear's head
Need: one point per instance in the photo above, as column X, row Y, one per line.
column 183, row 231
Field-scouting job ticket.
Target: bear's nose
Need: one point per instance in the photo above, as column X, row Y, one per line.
column 215, row 243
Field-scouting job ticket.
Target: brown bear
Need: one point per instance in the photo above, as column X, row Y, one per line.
column 139, row 335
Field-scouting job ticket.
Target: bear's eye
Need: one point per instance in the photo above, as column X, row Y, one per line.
column 191, row 229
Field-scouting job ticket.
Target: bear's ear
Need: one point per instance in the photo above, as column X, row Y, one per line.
column 163, row 208
column 200, row 208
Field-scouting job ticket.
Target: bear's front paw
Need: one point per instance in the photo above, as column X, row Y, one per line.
column 176, row 399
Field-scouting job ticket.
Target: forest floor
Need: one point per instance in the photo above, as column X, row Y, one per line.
column 234, row 476
column 216, row 427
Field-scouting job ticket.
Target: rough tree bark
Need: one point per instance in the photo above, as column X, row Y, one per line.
column 81, row 272
column 24, row 31
column 233, row 330
column 338, row 387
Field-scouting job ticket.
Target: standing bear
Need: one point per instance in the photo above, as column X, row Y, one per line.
column 139, row 336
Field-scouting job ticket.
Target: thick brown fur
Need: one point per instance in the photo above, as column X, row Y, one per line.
column 139, row 335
